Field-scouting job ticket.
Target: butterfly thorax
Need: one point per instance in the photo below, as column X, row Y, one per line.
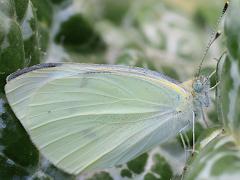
column 200, row 92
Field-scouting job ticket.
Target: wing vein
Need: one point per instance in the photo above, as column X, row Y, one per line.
column 59, row 119
column 105, row 153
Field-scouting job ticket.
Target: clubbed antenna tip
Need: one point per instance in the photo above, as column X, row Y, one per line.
column 213, row 37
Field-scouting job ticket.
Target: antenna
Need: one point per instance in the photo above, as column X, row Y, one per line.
column 213, row 37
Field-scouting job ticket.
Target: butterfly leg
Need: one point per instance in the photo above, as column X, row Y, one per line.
column 193, row 132
column 212, row 88
column 212, row 74
column 187, row 139
column 183, row 136
column 204, row 117
column 185, row 147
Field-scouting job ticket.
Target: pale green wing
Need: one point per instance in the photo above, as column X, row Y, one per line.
column 87, row 117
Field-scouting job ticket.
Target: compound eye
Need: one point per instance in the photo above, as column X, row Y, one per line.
column 197, row 86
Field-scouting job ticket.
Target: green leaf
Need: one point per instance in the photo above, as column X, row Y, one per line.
column 7, row 8
column 228, row 92
column 58, row 1
column 115, row 11
column 150, row 176
column 9, row 170
column 41, row 19
column 101, row 176
column 11, row 48
column 43, row 38
column 44, row 11
column 31, row 37
column 126, row 173
column 137, row 165
column 21, row 8
column 205, row 13
column 161, row 167
column 171, row 72
column 78, row 35
column 133, row 57
column 219, row 159
column 19, row 155
column 232, row 27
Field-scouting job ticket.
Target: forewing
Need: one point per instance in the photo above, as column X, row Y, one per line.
column 86, row 117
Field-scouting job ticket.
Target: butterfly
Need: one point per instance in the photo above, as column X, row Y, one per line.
column 85, row 117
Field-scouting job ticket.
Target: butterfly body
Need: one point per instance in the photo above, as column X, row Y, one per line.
column 86, row 117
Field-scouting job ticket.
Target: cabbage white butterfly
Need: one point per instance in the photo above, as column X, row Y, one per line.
column 87, row 117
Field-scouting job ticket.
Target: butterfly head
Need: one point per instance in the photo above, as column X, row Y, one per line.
column 201, row 86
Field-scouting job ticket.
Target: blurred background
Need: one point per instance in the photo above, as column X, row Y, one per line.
column 169, row 36
column 166, row 36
